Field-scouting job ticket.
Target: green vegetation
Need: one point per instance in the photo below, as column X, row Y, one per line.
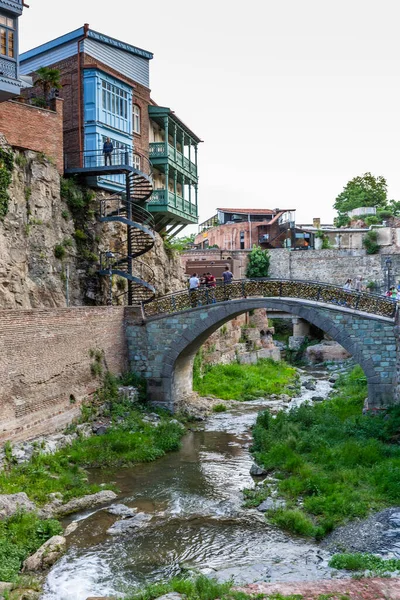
column 254, row 497
column 48, row 79
column 364, row 562
column 6, row 169
column 177, row 245
column 370, row 242
column 59, row 251
column 217, row 408
column 339, row 463
column 242, row 382
column 325, row 239
column 363, row 190
column 20, row 536
column 258, row 263
column 129, row 440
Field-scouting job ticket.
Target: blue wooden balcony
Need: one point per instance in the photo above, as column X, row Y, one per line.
column 160, row 152
column 15, row 6
column 164, row 201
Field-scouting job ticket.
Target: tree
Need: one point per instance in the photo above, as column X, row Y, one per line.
column 364, row 190
column 48, row 79
column 258, row 265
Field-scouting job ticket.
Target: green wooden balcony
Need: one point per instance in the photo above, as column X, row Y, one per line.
column 167, row 202
column 157, row 150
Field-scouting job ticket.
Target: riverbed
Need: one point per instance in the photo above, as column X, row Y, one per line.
column 194, row 497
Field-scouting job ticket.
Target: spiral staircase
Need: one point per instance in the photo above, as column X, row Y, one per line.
column 127, row 208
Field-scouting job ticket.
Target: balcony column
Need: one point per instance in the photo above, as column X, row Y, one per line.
column 183, row 149
column 190, row 195
column 190, row 157
column 175, row 178
column 175, row 150
column 167, row 183
column 195, row 157
column 166, row 135
column 195, row 190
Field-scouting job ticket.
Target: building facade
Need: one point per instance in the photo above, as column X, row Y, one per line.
column 105, row 87
column 10, row 81
column 241, row 229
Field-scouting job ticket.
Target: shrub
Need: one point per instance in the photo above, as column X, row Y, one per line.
column 258, row 263
column 59, row 251
column 217, row 408
column 370, row 242
column 6, row 169
column 362, row 562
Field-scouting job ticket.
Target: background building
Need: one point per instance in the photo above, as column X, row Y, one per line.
column 10, row 80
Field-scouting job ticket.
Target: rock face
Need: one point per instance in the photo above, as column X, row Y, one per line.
column 245, row 338
column 38, row 221
column 47, row 554
column 12, row 503
column 326, row 351
column 125, row 525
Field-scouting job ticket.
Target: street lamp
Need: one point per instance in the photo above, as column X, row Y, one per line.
column 388, row 264
column 110, row 257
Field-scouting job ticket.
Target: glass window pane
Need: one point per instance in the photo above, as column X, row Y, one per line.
column 104, row 99
column 3, row 42
column 11, row 44
column 3, row 20
column 10, row 23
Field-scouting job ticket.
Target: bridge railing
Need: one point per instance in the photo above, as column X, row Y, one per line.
column 314, row 291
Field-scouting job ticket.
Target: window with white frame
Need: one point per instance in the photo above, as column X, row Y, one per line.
column 115, row 99
column 136, row 161
column 7, row 36
column 136, row 119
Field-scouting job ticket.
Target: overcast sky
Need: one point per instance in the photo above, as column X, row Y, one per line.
column 292, row 98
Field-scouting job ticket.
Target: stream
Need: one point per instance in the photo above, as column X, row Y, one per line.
column 198, row 524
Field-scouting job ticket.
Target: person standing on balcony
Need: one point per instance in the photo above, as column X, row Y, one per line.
column 108, row 149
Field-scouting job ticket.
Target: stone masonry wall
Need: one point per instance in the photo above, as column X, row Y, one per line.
column 32, row 128
column 45, row 364
column 164, row 352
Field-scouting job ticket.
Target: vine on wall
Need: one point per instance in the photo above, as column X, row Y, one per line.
column 6, row 169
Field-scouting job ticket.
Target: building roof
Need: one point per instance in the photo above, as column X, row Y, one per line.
column 79, row 34
column 156, row 112
column 255, row 211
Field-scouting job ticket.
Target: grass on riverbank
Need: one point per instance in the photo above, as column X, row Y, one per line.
column 365, row 562
column 243, row 382
column 334, row 464
column 129, row 440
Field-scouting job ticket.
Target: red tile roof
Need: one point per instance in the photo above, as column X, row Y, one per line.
column 254, row 211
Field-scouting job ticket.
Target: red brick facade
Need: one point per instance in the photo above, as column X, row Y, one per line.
column 32, row 128
column 45, row 364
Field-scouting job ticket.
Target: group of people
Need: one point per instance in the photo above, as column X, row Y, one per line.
column 394, row 292
column 358, row 285
column 207, row 281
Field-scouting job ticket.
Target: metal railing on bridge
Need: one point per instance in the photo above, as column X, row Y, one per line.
column 313, row 291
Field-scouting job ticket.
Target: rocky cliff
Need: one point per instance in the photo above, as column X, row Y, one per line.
column 44, row 250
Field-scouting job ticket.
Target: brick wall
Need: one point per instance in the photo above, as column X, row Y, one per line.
column 45, row 364
column 32, row 128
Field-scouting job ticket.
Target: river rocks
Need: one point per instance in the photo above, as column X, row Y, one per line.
column 137, row 522
column 5, row 585
column 71, row 528
column 271, row 504
column 12, row 503
column 24, row 594
column 77, row 504
column 309, row 385
column 326, row 350
column 317, row 398
column 257, row 471
column 120, row 510
column 47, row 554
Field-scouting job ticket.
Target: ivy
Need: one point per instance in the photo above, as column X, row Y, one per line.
column 6, row 168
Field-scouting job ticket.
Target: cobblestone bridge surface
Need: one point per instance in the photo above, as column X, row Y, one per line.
column 164, row 347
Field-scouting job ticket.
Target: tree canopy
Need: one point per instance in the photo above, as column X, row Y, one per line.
column 363, row 190
column 258, row 265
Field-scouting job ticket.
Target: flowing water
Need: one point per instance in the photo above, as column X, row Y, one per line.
column 198, row 523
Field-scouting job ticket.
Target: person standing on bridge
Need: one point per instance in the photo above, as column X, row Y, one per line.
column 108, row 149
column 194, row 284
column 347, row 285
column 227, row 277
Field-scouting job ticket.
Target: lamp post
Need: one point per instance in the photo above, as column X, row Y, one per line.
column 388, row 264
column 109, row 257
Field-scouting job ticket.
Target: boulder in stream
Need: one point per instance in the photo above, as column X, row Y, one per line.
column 121, row 510
column 12, row 503
column 77, row 504
column 257, row 471
column 271, row 504
column 125, row 525
column 47, row 554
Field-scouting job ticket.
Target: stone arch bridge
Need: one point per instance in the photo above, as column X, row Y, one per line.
column 162, row 344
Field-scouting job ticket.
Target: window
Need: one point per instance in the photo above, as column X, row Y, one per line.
column 136, row 161
column 115, row 100
column 242, row 240
column 7, row 33
column 136, row 119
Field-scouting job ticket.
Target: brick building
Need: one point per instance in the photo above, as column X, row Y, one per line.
column 242, row 228
column 105, row 87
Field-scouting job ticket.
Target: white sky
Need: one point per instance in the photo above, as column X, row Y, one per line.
column 292, row 97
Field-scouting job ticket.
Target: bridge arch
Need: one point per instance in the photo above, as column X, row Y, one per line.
column 174, row 339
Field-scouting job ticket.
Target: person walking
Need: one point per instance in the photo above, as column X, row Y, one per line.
column 108, row 149
column 347, row 285
column 211, row 284
column 358, row 285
